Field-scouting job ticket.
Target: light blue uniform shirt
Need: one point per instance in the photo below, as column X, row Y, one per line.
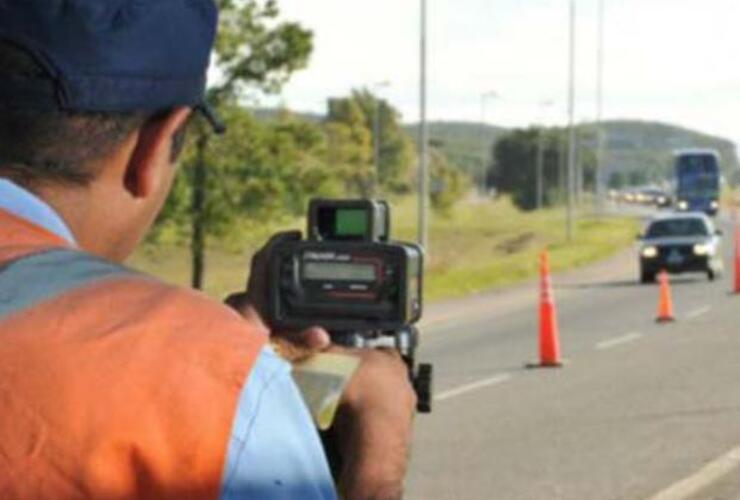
column 274, row 452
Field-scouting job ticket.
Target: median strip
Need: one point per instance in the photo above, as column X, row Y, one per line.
column 482, row 384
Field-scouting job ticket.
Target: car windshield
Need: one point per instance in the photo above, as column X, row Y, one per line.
column 677, row 227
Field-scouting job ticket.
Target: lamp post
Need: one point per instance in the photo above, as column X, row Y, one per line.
column 376, row 131
column 423, row 236
column 541, row 156
column 485, row 96
column 600, row 130
column 570, row 229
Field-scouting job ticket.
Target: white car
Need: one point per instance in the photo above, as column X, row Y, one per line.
column 680, row 243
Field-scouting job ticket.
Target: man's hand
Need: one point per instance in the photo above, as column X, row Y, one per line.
column 373, row 428
column 252, row 305
column 292, row 346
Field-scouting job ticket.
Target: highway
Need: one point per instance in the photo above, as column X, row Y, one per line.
column 640, row 411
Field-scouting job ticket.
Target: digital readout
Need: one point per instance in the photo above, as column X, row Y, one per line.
column 338, row 271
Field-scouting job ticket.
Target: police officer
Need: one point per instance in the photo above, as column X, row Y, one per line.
column 112, row 384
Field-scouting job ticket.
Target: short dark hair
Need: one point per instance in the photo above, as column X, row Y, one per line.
column 59, row 146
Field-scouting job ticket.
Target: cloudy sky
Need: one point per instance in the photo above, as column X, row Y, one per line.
column 676, row 61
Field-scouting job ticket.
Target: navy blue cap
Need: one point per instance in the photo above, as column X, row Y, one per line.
column 111, row 55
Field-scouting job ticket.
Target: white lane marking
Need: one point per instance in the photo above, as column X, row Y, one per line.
column 698, row 312
column 481, row 384
column 626, row 339
column 708, row 475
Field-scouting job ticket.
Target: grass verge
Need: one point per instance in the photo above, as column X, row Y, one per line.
column 476, row 247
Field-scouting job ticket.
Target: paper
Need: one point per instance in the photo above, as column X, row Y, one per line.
column 322, row 380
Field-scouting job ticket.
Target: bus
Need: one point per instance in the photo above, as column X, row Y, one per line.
column 698, row 181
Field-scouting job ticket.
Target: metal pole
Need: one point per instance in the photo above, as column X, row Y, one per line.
column 483, row 144
column 376, row 146
column 376, row 133
column 483, row 147
column 570, row 229
column 423, row 236
column 541, row 156
column 540, row 167
column 600, row 130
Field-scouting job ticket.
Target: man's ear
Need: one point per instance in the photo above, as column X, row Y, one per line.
column 151, row 160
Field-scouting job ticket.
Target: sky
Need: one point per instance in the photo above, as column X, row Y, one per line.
column 676, row 61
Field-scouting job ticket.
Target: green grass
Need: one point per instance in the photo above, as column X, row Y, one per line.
column 476, row 247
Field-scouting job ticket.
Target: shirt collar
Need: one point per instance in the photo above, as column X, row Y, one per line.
column 26, row 205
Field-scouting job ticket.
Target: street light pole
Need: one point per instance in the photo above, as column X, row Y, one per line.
column 541, row 157
column 376, row 132
column 570, row 229
column 423, row 229
column 600, row 130
column 482, row 187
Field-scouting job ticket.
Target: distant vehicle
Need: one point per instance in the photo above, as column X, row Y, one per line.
column 698, row 180
column 629, row 196
column 681, row 243
column 656, row 197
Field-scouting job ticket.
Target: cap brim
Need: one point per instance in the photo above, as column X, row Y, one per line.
column 211, row 117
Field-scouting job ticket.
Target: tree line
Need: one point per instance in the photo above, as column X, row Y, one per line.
column 513, row 165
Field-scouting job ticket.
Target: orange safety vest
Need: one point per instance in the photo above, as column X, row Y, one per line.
column 112, row 384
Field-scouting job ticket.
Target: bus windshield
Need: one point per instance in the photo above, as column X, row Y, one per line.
column 698, row 175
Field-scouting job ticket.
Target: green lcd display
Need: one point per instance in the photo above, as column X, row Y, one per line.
column 351, row 222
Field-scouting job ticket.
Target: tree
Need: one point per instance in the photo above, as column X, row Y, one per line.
column 514, row 170
column 396, row 147
column 253, row 50
column 350, row 146
column 448, row 183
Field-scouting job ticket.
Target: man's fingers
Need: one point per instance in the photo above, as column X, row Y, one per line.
column 299, row 346
column 314, row 338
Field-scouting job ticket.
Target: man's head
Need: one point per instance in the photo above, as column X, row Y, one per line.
column 95, row 96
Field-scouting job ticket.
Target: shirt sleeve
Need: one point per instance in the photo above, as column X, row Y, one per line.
column 275, row 451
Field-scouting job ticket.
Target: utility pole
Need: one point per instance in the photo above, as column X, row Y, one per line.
column 198, row 204
column 570, row 223
column 376, row 132
column 482, row 187
column 541, row 157
column 600, row 129
column 540, row 167
column 423, row 236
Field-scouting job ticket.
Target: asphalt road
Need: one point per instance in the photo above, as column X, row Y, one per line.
column 640, row 411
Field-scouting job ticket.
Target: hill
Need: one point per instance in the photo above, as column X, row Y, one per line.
column 648, row 146
column 464, row 143
column 638, row 146
column 634, row 146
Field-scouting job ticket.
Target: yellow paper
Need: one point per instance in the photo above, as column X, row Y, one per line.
column 322, row 380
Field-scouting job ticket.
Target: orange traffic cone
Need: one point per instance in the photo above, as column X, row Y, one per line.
column 737, row 260
column 549, row 332
column 665, row 306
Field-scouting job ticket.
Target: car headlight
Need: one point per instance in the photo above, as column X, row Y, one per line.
column 702, row 249
column 683, row 205
column 714, row 205
column 650, row 252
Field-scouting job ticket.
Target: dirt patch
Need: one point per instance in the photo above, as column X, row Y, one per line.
column 516, row 244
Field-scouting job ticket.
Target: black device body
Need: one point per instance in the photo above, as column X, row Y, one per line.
column 350, row 278
column 345, row 287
